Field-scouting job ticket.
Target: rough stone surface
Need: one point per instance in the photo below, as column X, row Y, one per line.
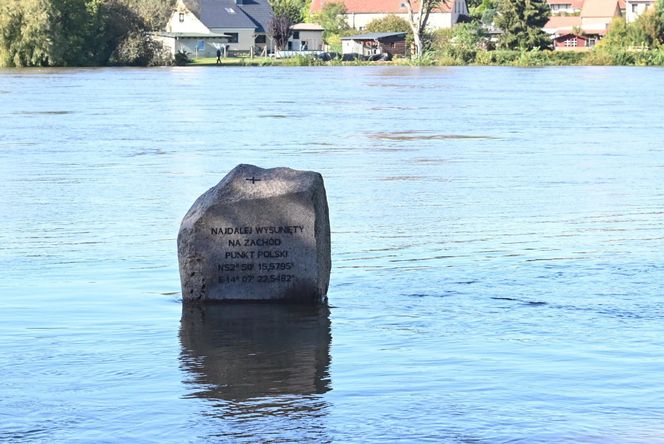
column 258, row 235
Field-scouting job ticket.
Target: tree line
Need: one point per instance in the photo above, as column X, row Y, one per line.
column 81, row 32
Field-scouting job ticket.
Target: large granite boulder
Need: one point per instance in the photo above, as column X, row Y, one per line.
column 258, row 235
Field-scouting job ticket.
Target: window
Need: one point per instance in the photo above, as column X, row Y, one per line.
column 634, row 7
column 561, row 7
column 592, row 41
column 296, row 35
column 230, row 10
column 261, row 38
column 571, row 42
column 232, row 37
column 181, row 17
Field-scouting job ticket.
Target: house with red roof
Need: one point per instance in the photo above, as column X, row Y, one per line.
column 360, row 12
column 567, row 33
column 597, row 15
column 583, row 31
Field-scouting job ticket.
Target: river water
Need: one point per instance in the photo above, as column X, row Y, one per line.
column 498, row 256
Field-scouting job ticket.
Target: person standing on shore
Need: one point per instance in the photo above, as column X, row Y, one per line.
column 218, row 56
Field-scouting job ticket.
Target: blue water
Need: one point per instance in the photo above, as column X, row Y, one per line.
column 498, row 256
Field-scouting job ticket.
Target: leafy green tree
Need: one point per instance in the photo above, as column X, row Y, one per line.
column 647, row 30
column 292, row 9
column 65, row 32
column 649, row 27
column 521, row 22
column 137, row 50
column 483, row 11
column 332, row 18
column 286, row 13
column 153, row 13
column 418, row 19
column 618, row 34
column 25, row 33
column 391, row 23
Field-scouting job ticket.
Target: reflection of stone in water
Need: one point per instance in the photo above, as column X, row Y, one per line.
column 242, row 351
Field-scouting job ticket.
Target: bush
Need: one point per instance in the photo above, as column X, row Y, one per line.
column 608, row 57
column 391, row 23
column 303, row 60
column 181, row 58
column 140, row 50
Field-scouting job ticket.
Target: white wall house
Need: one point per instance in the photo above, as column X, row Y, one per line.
column 565, row 6
column 306, row 37
column 360, row 13
column 634, row 8
column 200, row 27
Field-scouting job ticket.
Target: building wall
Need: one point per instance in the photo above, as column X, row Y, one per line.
column 566, row 8
column 246, row 38
column 582, row 42
column 189, row 23
column 314, row 40
column 269, row 42
column 169, row 43
column 396, row 48
column 182, row 20
column 351, row 47
column 436, row 20
column 354, row 47
column 197, row 47
column 596, row 22
column 633, row 9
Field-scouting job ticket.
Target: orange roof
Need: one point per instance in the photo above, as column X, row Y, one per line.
column 600, row 8
column 376, row 6
column 557, row 22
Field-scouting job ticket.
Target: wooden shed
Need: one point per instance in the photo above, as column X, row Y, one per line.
column 393, row 43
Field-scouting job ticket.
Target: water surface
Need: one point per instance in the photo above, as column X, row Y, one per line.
column 497, row 256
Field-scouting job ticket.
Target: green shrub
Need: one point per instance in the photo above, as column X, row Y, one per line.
column 303, row 60
column 181, row 58
column 140, row 50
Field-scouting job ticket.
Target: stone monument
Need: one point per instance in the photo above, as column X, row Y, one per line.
column 258, row 235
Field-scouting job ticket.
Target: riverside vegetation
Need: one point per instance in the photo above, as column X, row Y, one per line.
column 116, row 32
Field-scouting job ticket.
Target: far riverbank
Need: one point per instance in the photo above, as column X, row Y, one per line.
column 471, row 57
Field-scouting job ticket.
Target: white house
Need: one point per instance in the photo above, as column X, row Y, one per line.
column 565, row 6
column 201, row 27
column 634, row 8
column 360, row 12
column 306, row 37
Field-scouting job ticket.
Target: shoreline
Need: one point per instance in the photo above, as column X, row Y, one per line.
column 497, row 58
column 533, row 58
